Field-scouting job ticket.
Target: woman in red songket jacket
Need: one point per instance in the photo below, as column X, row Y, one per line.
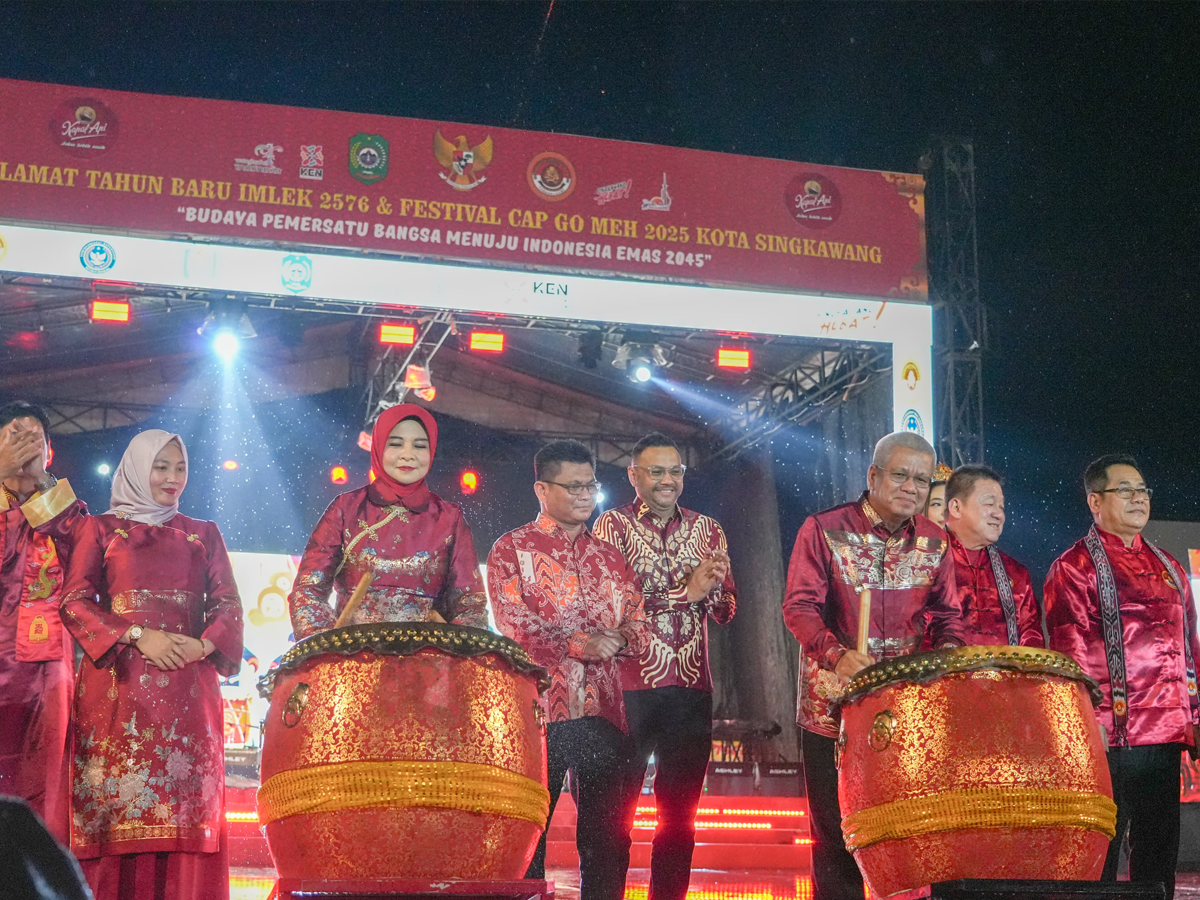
column 150, row 597
column 416, row 546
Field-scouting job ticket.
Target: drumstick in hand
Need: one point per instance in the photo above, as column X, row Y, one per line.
column 355, row 600
column 864, row 619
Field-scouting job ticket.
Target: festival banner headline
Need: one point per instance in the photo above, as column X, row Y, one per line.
column 221, row 169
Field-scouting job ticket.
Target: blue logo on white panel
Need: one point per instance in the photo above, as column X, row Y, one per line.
column 97, row 257
column 297, row 272
column 913, row 422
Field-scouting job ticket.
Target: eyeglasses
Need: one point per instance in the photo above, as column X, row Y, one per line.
column 578, row 490
column 657, row 472
column 901, row 478
column 1128, row 493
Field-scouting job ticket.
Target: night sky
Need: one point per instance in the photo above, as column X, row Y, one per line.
column 1083, row 116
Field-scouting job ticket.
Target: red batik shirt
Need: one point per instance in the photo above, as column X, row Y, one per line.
column 980, row 599
column 1154, row 627
column 550, row 594
column 662, row 557
column 837, row 553
column 422, row 561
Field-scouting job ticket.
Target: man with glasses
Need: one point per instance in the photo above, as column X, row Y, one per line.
column 681, row 561
column 1123, row 609
column 878, row 542
column 572, row 602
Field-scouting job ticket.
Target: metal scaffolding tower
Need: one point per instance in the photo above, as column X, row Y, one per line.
column 960, row 319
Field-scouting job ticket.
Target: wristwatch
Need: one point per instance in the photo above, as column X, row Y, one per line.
column 135, row 633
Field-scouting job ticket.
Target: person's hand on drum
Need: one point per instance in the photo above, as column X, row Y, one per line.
column 603, row 646
column 851, row 663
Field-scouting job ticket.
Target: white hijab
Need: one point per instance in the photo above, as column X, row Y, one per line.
column 131, row 495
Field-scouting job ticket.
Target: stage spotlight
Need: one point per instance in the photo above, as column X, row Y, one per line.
column 339, row 475
column 468, row 482
column 395, row 333
column 226, row 345
column 104, row 469
column 640, row 356
column 109, row 311
column 487, row 341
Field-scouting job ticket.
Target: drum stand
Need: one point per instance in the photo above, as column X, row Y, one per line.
column 416, row 889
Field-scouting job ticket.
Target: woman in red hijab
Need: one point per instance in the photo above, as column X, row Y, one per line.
column 416, row 546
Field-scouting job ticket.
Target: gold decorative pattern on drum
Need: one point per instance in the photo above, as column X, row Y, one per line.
column 399, row 783
column 980, row 808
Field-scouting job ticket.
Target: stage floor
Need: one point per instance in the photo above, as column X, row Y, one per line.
column 707, row 884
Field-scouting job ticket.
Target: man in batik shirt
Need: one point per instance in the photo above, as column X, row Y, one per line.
column 880, row 542
column 682, row 564
column 994, row 590
column 38, row 515
column 1123, row 609
column 572, row 602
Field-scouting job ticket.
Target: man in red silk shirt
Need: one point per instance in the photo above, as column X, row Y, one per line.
column 38, row 514
column 682, row 565
column 573, row 603
column 994, row 590
column 881, row 542
column 1123, row 609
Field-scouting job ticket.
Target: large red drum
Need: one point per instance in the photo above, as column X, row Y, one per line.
column 977, row 762
column 404, row 749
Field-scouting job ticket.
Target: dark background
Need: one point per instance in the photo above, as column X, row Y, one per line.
column 1083, row 116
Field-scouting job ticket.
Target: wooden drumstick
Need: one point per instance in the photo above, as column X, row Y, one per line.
column 435, row 616
column 355, row 601
column 864, row 619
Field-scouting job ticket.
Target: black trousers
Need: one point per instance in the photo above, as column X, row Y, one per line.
column 835, row 873
column 675, row 724
column 1146, row 787
column 599, row 757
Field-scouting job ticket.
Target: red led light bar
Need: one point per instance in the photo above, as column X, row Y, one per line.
column 733, row 358
column 393, row 333
column 109, row 311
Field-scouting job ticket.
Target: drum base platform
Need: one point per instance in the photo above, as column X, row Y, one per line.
column 390, row 888
column 998, row 889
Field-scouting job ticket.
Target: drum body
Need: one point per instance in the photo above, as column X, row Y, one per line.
column 404, row 750
column 977, row 762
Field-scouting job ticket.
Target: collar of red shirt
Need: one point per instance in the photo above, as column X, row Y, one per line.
column 1114, row 543
column 547, row 525
column 647, row 515
column 877, row 525
column 976, row 558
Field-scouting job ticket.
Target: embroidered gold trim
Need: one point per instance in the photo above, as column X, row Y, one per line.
column 369, row 531
column 398, row 783
column 991, row 807
column 41, row 508
column 129, row 601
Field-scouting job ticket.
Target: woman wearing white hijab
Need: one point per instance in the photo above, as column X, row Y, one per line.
column 150, row 597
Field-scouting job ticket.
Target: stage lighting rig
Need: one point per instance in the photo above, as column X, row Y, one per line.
column 591, row 345
column 228, row 324
column 640, row 356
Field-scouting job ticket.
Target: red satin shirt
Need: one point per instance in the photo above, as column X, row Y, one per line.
column 1152, row 619
column 550, row 594
column 980, row 599
column 837, row 553
column 662, row 557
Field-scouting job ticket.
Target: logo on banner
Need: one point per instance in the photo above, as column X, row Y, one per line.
column 83, row 127
column 911, row 375
column 913, row 422
column 551, row 176
column 661, row 203
column 263, row 162
column 297, row 272
column 464, row 163
column 611, row 192
column 312, row 162
column 3, row 247
column 368, row 158
column 97, row 257
column 813, row 200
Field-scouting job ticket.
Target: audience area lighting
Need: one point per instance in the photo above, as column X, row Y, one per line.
column 468, row 482
column 733, row 358
column 487, row 341
column 109, row 311
column 339, row 475
column 393, row 333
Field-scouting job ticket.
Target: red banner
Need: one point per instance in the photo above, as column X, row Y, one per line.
column 156, row 164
